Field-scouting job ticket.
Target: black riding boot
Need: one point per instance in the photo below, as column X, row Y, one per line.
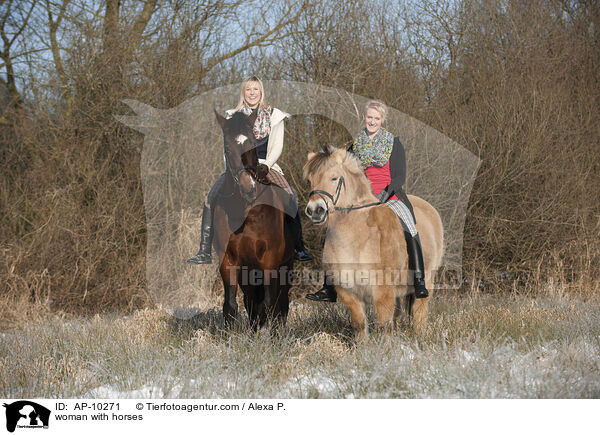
column 299, row 249
column 204, row 253
column 326, row 294
column 415, row 264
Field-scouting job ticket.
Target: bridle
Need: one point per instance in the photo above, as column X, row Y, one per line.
column 338, row 190
column 236, row 172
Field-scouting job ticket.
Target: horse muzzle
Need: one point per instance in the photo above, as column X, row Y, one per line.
column 317, row 211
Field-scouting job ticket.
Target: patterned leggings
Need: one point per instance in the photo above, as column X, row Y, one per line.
column 406, row 217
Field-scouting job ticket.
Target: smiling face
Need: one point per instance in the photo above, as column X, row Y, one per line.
column 373, row 120
column 252, row 94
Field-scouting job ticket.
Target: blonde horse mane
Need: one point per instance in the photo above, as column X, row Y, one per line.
column 358, row 185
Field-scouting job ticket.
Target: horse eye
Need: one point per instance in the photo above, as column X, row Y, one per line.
column 334, row 179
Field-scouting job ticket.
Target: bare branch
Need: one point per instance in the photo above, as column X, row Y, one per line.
column 24, row 24
column 138, row 28
column 249, row 42
column 53, row 27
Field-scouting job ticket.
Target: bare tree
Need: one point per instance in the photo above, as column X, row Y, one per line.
column 14, row 20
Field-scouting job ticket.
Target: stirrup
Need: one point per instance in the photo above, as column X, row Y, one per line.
column 302, row 254
column 200, row 258
column 420, row 290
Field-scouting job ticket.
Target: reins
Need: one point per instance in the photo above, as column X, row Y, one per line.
column 338, row 191
column 235, row 175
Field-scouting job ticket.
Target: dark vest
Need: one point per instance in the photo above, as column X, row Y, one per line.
column 261, row 147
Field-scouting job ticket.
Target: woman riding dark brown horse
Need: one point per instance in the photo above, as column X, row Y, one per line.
column 253, row 234
column 268, row 132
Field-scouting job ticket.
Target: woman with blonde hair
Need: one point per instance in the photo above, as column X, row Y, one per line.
column 268, row 131
column 384, row 161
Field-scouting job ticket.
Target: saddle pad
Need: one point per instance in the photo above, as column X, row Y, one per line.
column 278, row 179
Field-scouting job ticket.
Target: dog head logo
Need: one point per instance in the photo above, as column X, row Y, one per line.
column 26, row 414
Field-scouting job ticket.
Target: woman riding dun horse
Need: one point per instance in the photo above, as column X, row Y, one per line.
column 383, row 159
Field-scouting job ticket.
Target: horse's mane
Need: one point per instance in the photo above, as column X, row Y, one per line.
column 238, row 119
column 238, row 122
column 359, row 182
column 318, row 160
column 326, row 157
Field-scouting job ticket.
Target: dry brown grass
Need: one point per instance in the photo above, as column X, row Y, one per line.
column 474, row 346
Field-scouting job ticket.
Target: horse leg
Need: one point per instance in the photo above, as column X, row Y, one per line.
column 421, row 308
column 229, row 275
column 262, row 302
column 420, row 311
column 409, row 301
column 252, row 309
column 276, row 292
column 397, row 311
column 357, row 312
column 252, row 302
column 281, row 305
column 230, row 307
column 384, row 301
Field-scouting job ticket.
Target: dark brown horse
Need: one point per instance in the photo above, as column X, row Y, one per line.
column 253, row 235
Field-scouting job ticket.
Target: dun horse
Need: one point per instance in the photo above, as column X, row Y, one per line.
column 365, row 249
column 253, row 236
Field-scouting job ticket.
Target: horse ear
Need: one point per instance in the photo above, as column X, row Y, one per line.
column 311, row 155
column 221, row 120
column 339, row 154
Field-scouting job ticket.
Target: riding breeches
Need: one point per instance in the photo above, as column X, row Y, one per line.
column 278, row 179
column 214, row 191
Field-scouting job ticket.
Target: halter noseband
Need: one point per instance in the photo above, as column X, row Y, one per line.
column 338, row 191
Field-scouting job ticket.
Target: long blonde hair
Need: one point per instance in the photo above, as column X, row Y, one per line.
column 262, row 102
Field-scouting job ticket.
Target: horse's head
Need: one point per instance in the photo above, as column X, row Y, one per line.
column 240, row 152
column 336, row 180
